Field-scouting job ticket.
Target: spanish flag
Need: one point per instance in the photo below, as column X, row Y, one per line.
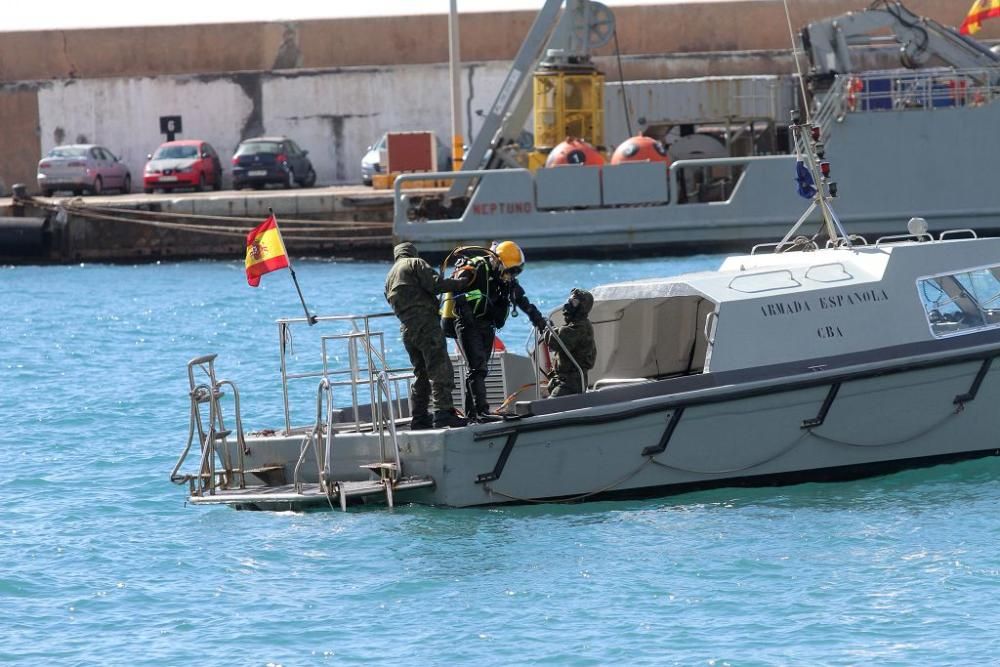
column 981, row 10
column 265, row 251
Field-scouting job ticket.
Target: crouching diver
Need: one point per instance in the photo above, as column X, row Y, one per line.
column 577, row 335
column 411, row 288
column 492, row 293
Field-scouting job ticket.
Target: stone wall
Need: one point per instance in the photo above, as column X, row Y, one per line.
column 684, row 27
column 18, row 135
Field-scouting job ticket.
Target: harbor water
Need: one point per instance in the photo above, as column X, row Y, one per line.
column 102, row 562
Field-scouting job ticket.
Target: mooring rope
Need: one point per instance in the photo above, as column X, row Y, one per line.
column 84, row 208
column 297, row 230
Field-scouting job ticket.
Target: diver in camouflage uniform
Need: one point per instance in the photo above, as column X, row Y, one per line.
column 578, row 337
column 411, row 288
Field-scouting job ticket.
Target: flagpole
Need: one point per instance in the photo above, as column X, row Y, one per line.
column 311, row 319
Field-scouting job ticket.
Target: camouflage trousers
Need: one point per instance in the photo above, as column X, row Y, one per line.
column 565, row 384
column 433, row 375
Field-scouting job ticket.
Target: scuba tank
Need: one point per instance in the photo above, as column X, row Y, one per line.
column 463, row 256
column 448, row 315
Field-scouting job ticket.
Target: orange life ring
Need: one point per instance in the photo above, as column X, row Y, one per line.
column 854, row 86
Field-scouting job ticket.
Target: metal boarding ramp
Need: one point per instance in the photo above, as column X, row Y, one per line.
column 222, row 475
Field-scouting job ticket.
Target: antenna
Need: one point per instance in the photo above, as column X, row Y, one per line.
column 798, row 65
column 810, row 154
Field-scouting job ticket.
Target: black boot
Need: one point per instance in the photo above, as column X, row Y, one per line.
column 421, row 422
column 448, row 419
column 484, row 416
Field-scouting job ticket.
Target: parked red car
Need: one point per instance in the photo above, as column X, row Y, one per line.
column 190, row 163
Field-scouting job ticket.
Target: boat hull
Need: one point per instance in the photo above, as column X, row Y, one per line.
column 843, row 423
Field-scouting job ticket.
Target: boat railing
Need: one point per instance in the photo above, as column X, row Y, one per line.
column 800, row 243
column 954, row 232
column 535, row 342
column 324, row 396
column 932, row 88
column 897, row 238
column 926, row 236
column 830, row 110
column 361, row 354
column 386, row 421
column 715, row 179
column 832, row 107
column 735, row 167
column 213, row 436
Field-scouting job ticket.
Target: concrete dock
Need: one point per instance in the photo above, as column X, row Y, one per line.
column 339, row 221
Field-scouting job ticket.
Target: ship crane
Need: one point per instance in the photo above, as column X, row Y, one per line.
column 555, row 58
column 828, row 42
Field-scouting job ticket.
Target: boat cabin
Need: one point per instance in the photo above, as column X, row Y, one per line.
column 767, row 309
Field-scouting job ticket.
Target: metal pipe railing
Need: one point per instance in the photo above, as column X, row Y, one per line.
column 313, row 437
column 533, row 355
column 360, row 375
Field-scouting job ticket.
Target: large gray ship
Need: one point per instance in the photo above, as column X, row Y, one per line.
column 732, row 178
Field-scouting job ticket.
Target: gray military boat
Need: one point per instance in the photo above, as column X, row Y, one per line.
column 931, row 125
column 816, row 358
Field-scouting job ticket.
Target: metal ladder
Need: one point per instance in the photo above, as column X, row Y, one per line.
column 389, row 467
column 216, row 469
column 320, row 439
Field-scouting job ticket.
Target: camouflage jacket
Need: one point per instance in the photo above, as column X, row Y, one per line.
column 412, row 285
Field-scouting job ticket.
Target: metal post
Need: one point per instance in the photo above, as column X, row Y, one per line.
column 328, row 453
column 536, row 364
column 454, row 69
column 282, row 334
column 370, row 369
column 352, row 357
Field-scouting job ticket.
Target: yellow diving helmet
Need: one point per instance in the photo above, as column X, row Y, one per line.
column 511, row 256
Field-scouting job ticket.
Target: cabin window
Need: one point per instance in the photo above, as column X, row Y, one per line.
column 961, row 302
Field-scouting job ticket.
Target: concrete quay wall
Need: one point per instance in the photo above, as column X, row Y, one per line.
column 330, row 222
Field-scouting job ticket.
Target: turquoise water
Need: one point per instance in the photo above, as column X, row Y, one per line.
column 102, row 563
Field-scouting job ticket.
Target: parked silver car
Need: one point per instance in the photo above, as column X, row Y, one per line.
column 80, row 168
